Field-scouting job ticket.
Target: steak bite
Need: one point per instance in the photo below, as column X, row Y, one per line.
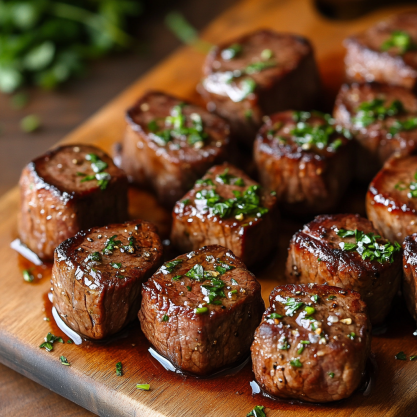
column 201, row 309
column 170, row 143
column 383, row 120
column 410, row 274
column 260, row 73
column 69, row 189
column 228, row 208
column 391, row 201
column 345, row 250
column 385, row 53
column 312, row 344
column 98, row 274
column 305, row 159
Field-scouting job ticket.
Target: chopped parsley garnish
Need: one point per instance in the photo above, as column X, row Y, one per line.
column 186, row 201
column 402, row 186
column 412, row 358
column 227, row 178
column 94, row 256
column 188, row 288
column 119, row 369
column 64, row 361
column 207, row 181
column 309, row 310
column 27, row 275
column 258, row 411
column 331, row 374
column 401, row 356
column 368, row 247
column 201, row 310
column 351, row 335
column 259, row 66
column 248, row 86
column 116, row 265
column 292, row 306
column 69, row 341
column 234, row 282
column 315, row 298
column 111, row 245
column 170, row 266
column 331, row 297
column 50, row 339
column 165, row 318
column 399, row 39
column 266, row 54
column 406, row 125
column 245, row 203
column 213, row 291
column 144, row 387
column 98, row 166
column 177, row 277
column 223, row 268
column 283, row 343
column 302, row 347
column 176, row 128
column 231, row 52
column 196, row 272
column 370, row 111
column 275, row 316
column 296, row 363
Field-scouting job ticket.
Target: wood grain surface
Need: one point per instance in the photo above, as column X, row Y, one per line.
column 91, row 380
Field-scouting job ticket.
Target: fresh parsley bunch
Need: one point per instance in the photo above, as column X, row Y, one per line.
column 45, row 42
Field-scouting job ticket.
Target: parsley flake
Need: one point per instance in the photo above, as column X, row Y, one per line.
column 119, row 369
column 258, row 411
column 64, row 361
column 296, row 363
column 401, row 356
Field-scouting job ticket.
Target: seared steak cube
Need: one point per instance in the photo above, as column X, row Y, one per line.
column 227, row 208
column 312, row 344
column 98, row 274
column 305, row 159
column 69, row 189
column 385, row 53
column 201, row 310
column 383, row 120
column 391, row 201
column 260, row 73
column 170, row 143
column 345, row 250
column 410, row 274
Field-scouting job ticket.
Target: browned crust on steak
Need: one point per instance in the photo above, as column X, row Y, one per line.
column 337, row 355
column 305, row 180
column 366, row 62
column 410, row 274
column 170, row 170
column 201, row 343
column 376, row 142
column 94, row 298
column 55, row 204
column 293, row 83
column 251, row 239
column 388, row 206
column 315, row 256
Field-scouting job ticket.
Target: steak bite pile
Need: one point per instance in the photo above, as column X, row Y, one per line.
column 345, row 250
column 385, row 53
column 169, row 144
column 383, row 120
column 201, row 310
column 260, row 73
column 391, row 201
column 410, row 274
column 305, row 158
column 98, row 274
column 312, row 344
column 69, row 189
column 227, row 208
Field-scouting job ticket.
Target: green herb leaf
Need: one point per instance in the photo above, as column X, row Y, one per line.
column 258, row 411
column 27, row 275
column 170, row 266
column 231, row 52
column 412, row 358
column 331, row 297
column 401, row 356
column 196, row 272
column 119, row 369
column 116, row 265
column 309, row 310
column 399, row 39
column 351, row 336
column 275, row 316
column 296, row 363
column 30, row 123
column 165, row 318
column 369, row 112
column 64, row 361
column 69, row 341
column 331, row 374
column 292, row 306
column 111, row 245
column 201, row 310
column 144, row 387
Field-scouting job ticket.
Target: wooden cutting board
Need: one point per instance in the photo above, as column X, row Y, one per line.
column 91, row 380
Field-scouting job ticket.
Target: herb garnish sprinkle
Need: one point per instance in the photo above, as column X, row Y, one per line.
column 98, row 166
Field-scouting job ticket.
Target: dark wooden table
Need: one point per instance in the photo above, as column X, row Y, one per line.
column 61, row 111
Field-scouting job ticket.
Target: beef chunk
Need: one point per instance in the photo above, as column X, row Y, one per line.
column 383, row 120
column 69, row 189
column 98, row 274
column 312, row 344
column 305, row 159
column 410, row 274
column 385, row 53
column 170, row 143
column 346, row 251
column 228, row 208
column 260, row 73
column 391, row 201
column 201, row 309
